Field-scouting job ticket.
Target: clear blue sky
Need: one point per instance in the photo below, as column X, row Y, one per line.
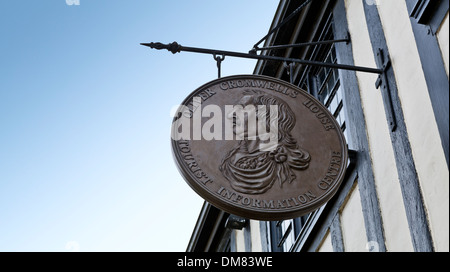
column 85, row 158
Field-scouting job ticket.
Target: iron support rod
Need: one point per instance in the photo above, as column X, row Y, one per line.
column 299, row 44
column 285, row 21
column 176, row 48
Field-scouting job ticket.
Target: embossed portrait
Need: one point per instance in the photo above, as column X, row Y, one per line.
column 254, row 170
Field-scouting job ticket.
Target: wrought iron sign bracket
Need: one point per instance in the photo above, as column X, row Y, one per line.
column 236, row 222
column 219, row 60
column 290, row 72
column 295, row 45
column 384, row 62
column 176, row 48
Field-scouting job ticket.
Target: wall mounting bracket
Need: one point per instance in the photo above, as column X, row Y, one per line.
column 176, row 48
column 382, row 82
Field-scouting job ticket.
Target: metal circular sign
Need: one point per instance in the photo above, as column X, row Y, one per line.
column 258, row 147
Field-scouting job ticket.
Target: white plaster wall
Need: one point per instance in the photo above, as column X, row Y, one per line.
column 443, row 39
column 352, row 223
column 326, row 245
column 255, row 233
column 419, row 118
column 395, row 224
column 240, row 240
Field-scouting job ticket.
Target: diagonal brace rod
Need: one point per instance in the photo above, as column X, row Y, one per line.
column 176, row 48
column 300, row 44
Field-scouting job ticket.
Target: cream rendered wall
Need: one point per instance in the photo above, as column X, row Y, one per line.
column 442, row 37
column 255, row 236
column 352, row 223
column 326, row 245
column 255, row 233
column 422, row 130
column 240, row 240
column 395, row 224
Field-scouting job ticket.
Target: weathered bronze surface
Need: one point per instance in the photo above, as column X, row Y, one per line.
column 252, row 176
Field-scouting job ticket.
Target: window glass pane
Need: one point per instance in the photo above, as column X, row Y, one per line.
column 330, row 83
column 321, row 76
column 333, row 105
column 325, row 82
column 288, row 234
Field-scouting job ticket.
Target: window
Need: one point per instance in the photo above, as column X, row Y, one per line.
column 330, row 91
column 324, row 84
column 429, row 12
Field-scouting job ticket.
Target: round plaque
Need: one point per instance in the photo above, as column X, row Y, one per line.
column 258, row 147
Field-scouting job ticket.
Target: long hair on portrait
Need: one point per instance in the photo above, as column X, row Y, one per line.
column 285, row 156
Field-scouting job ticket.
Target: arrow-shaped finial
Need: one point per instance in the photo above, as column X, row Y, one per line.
column 172, row 47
